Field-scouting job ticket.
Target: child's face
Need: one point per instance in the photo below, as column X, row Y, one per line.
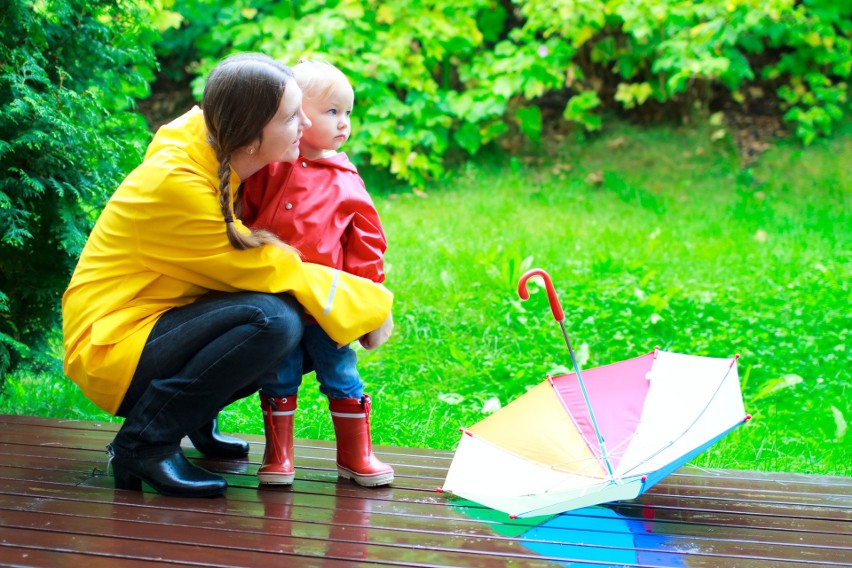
column 330, row 126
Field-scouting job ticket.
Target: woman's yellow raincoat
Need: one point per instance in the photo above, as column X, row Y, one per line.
column 160, row 243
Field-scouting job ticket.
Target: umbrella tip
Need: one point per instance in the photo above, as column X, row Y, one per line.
column 747, row 418
column 439, row 489
column 513, row 517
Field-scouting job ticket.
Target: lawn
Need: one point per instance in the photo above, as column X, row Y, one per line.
column 653, row 237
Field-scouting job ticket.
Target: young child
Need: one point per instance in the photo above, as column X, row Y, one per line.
column 319, row 205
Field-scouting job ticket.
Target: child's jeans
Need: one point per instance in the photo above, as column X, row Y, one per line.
column 335, row 367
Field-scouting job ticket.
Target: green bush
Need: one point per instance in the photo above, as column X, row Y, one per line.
column 436, row 78
column 401, row 58
column 69, row 70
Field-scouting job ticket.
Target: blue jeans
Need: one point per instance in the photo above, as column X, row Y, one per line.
column 335, row 367
column 198, row 359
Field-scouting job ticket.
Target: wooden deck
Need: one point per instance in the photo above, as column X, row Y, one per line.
column 58, row 507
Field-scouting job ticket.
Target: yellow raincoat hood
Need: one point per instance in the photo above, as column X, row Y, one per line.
column 160, row 243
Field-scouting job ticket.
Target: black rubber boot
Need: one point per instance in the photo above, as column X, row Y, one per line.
column 170, row 475
column 213, row 444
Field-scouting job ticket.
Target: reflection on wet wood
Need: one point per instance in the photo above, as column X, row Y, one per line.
column 58, row 507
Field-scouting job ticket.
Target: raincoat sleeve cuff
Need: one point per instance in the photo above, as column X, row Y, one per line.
column 344, row 305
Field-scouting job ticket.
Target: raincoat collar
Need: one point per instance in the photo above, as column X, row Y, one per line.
column 338, row 161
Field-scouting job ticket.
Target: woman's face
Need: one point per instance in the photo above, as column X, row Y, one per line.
column 282, row 134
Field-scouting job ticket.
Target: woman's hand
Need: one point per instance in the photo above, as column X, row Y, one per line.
column 378, row 336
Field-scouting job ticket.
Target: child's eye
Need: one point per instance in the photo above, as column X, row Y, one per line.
column 332, row 111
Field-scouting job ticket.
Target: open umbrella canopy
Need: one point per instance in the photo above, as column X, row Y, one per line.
column 605, row 435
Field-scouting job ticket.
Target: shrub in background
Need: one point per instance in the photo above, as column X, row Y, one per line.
column 434, row 77
column 69, row 72
column 401, row 57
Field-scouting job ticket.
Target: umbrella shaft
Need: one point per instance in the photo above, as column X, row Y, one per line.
column 586, row 399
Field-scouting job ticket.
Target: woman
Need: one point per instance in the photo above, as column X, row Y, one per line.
column 175, row 308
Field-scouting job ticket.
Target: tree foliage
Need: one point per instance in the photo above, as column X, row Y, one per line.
column 69, row 72
column 433, row 77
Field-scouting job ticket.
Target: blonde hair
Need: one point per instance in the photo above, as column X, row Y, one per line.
column 318, row 78
column 241, row 96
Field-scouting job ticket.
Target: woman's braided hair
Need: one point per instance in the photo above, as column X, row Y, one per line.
column 242, row 95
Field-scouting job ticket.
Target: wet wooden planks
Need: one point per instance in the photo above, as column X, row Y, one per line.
column 58, row 507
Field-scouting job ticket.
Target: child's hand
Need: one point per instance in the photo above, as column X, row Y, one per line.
column 378, row 336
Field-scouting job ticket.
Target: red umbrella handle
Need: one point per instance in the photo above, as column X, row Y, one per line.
column 555, row 306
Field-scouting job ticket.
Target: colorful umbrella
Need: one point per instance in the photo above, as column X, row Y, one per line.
column 606, row 434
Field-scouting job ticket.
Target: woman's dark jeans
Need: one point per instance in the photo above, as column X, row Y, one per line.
column 198, row 359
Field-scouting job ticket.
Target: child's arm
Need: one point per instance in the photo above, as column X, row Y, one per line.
column 365, row 244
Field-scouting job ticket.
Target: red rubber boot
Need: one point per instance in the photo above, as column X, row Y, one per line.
column 355, row 459
column 278, row 414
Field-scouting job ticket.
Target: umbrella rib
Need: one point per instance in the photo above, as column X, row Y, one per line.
column 601, row 443
column 691, row 424
column 595, row 460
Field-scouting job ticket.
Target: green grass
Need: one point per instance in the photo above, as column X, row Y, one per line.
column 652, row 237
